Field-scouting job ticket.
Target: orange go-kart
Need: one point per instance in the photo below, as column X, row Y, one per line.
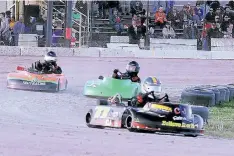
column 25, row 79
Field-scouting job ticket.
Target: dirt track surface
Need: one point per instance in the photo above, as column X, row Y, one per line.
column 49, row 124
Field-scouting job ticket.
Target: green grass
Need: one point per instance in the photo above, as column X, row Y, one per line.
column 221, row 121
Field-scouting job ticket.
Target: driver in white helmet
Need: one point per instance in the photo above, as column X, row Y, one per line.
column 49, row 65
column 151, row 90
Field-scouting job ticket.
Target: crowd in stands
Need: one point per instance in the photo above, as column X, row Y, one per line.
column 207, row 17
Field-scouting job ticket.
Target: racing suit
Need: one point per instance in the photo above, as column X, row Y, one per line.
column 48, row 67
column 141, row 99
column 132, row 76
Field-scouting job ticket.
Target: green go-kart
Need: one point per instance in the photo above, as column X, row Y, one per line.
column 105, row 87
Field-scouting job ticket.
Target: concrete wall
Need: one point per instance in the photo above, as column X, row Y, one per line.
column 111, row 52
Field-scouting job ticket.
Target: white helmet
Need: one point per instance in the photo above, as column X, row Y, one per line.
column 151, row 84
column 50, row 57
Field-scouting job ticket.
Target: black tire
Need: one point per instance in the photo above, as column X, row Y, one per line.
column 88, row 118
column 102, row 102
column 226, row 92
column 66, row 85
column 201, row 97
column 58, row 86
column 215, row 90
column 202, row 111
column 128, row 123
column 231, row 89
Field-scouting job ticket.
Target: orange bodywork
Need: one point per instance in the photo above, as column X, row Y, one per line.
column 40, row 77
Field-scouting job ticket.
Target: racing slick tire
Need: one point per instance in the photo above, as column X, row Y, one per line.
column 66, row 85
column 197, row 120
column 202, row 111
column 196, row 96
column 231, row 89
column 58, row 86
column 88, row 118
column 102, row 102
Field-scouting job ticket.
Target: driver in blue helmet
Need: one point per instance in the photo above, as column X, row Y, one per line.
column 132, row 70
column 49, row 65
column 151, row 90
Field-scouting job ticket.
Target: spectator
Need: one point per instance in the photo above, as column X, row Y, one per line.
column 18, row 28
column 215, row 31
column 173, row 16
column 134, row 33
column 231, row 4
column 160, row 17
column 219, row 13
column 168, row 31
column 112, row 5
column 225, row 23
column 137, row 8
column 189, row 9
column 210, row 16
column 185, row 15
column 116, row 23
column 12, row 22
column 102, row 6
column 57, row 35
column 228, row 33
column 5, row 29
column 213, row 4
column 199, row 12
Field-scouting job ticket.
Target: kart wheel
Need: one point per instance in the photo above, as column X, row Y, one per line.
column 128, row 123
column 66, row 85
column 190, row 135
column 202, row 111
column 58, row 86
column 88, row 118
column 197, row 96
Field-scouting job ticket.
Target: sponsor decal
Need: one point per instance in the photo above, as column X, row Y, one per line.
column 180, row 125
column 176, row 118
column 34, row 82
column 161, row 107
column 101, row 112
column 177, row 110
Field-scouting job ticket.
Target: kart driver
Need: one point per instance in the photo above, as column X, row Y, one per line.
column 132, row 70
column 151, row 89
column 49, row 65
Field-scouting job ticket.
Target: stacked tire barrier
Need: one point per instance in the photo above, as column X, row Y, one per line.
column 202, row 97
column 208, row 95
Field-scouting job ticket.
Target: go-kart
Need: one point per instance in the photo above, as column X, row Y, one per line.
column 105, row 87
column 30, row 79
column 153, row 117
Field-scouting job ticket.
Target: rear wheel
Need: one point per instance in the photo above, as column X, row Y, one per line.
column 66, row 85
column 58, row 86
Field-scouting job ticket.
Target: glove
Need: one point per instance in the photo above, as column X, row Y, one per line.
column 116, row 71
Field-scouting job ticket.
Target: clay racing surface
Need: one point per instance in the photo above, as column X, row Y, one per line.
column 52, row 124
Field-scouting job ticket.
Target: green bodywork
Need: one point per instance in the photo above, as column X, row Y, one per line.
column 109, row 87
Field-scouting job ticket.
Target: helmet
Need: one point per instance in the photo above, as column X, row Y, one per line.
column 50, row 57
column 151, row 84
column 133, row 67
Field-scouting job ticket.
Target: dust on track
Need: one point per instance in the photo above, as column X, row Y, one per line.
column 36, row 123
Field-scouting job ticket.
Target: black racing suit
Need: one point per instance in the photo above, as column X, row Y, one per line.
column 141, row 99
column 48, row 67
column 132, row 76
